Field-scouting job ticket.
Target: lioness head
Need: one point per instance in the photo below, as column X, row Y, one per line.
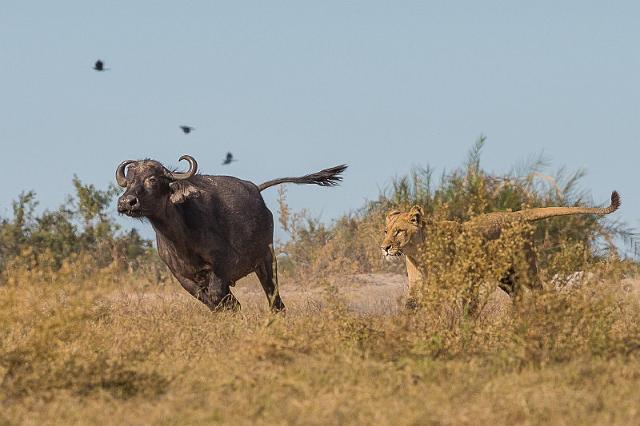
column 402, row 232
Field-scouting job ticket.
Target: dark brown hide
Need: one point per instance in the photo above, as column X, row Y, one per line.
column 210, row 230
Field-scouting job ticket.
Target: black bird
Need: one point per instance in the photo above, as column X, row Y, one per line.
column 187, row 129
column 99, row 66
column 228, row 159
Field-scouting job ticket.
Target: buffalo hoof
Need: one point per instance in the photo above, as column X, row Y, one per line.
column 227, row 303
column 278, row 307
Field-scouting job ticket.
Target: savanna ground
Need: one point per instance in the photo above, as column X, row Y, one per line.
column 100, row 334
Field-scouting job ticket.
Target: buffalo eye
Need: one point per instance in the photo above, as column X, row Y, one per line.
column 150, row 181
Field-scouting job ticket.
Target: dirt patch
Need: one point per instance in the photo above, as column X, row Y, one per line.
column 363, row 293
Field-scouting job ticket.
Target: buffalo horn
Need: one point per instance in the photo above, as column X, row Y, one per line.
column 122, row 181
column 193, row 168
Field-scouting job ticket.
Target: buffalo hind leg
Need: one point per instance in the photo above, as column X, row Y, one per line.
column 267, row 272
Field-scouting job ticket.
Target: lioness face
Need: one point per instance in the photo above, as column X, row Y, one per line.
column 401, row 231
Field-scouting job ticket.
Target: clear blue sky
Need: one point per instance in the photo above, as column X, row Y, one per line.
column 292, row 87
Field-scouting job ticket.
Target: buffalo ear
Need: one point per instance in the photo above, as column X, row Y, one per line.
column 416, row 214
column 183, row 191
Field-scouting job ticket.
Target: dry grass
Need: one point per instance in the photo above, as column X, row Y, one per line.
column 111, row 350
column 81, row 343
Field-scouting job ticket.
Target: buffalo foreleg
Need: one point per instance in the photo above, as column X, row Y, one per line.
column 267, row 272
column 219, row 295
column 212, row 291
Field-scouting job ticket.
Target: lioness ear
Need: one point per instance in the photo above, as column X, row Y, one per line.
column 392, row 214
column 182, row 191
column 416, row 214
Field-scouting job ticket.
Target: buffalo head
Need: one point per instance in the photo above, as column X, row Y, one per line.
column 150, row 186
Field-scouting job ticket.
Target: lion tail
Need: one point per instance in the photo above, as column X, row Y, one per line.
column 546, row 212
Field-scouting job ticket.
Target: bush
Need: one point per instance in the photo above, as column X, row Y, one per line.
column 89, row 337
column 563, row 245
column 81, row 227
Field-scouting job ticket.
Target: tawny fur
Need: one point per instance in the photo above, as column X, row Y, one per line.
column 405, row 233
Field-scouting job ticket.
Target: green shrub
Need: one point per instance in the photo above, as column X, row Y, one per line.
column 563, row 245
column 80, row 226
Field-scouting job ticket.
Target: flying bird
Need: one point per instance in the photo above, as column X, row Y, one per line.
column 187, row 129
column 99, row 66
column 229, row 159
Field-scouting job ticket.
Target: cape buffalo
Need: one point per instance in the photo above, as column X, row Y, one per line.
column 210, row 230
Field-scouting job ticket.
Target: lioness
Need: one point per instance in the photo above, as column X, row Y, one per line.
column 406, row 232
